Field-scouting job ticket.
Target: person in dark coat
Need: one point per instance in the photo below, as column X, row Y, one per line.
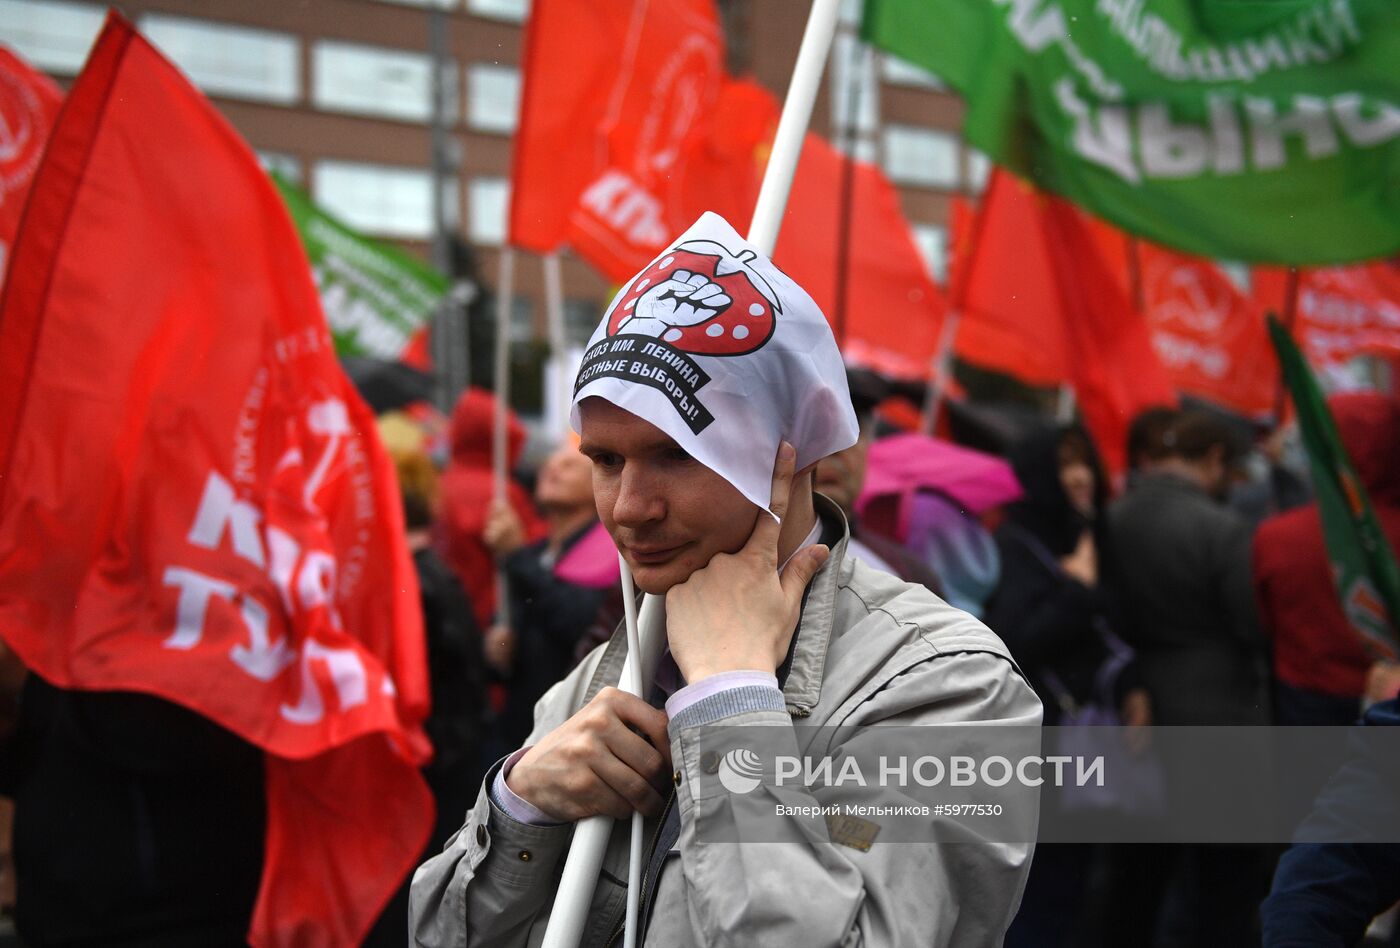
column 1054, row 606
column 137, row 822
column 1183, row 560
column 548, row 615
column 1184, row 564
column 1054, row 609
column 1326, row 892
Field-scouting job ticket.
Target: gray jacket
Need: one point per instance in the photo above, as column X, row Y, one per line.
column 870, row 649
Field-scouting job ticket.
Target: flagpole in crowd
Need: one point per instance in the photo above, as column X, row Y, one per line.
column 964, row 263
column 570, row 910
column 500, row 463
column 1288, row 317
column 554, row 321
column 850, row 137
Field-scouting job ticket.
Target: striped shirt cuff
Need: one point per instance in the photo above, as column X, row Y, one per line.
column 515, row 806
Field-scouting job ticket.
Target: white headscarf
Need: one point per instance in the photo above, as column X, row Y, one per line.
column 721, row 350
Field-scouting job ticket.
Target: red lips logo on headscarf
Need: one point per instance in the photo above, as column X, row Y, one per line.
column 700, row 298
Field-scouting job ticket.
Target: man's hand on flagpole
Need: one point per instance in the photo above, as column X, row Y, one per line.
column 738, row 612
column 611, row 758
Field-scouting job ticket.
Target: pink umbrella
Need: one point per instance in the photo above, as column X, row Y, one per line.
column 902, row 464
column 591, row 562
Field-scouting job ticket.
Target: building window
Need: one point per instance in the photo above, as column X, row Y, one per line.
column 979, row 169
column 933, row 244
column 366, row 80
column 901, row 72
column 513, row 11
column 231, row 61
column 378, row 199
column 580, row 319
column 486, row 217
column 49, row 34
column 493, row 98
column 854, row 91
column 921, row 156
column 288, row 166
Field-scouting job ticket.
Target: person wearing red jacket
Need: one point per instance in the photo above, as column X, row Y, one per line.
column 1319, row 662
column 465, row 500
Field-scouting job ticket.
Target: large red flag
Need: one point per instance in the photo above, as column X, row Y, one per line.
column 894, row 310
column 193, row 501
column 29, row 102
column 1340, row 312
column 1040, row 301
column 613, row 94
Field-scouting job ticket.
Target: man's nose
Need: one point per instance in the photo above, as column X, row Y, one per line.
column 639, row 498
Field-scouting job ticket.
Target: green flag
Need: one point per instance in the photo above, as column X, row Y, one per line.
column 1258, row 131
column 375, row 297
column 1363, row 564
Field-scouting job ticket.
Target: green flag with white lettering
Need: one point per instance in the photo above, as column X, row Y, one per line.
column 1258, row 131
column 375, row 296
column 1363, row 563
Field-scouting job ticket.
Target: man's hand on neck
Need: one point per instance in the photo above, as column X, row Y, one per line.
column 738, row 613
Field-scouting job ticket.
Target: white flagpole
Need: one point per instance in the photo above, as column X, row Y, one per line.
column 500, row 462
column 590, row 841
column 942, row 369
column 792, row 127
column 558, row 410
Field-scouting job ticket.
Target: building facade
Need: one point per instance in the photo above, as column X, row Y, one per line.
column 338, row 95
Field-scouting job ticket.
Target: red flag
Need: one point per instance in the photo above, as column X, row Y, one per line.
column 1210, row 336
column 1341, row 312
column 29, row 102
column 1005, row 288
column 1115, row 371
column 610, row 104
column 894, row 310
column 193, row 500
column 1040, row 301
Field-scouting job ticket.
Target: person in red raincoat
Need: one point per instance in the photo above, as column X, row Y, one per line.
column 466, row 498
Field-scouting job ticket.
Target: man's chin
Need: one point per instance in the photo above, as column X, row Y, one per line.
column 657, row 580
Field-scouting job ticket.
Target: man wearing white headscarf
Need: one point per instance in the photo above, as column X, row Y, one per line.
column 705, row 399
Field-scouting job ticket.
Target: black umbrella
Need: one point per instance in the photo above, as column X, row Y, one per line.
column 388, row 385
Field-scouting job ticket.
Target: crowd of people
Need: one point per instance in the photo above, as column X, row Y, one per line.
column 1199, row 593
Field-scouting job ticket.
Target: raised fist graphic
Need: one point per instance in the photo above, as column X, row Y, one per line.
column 682, row 299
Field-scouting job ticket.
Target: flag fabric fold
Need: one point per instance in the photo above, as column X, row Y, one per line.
column 1264, row 132
column 377, row 299
column 1040, row 302
column 893, row 309
column 193, row 500
column 29, row 103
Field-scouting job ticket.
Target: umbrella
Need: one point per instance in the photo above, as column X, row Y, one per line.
column 902, row 464
column 386, row 385
column 591, row 562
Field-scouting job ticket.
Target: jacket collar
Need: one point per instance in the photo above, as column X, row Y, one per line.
column 803, row 686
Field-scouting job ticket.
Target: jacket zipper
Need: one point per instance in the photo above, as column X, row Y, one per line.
column 641, row 902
